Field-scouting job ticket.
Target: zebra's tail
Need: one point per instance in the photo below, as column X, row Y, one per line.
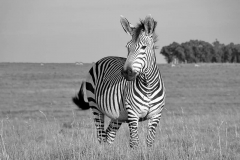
column 81, row 98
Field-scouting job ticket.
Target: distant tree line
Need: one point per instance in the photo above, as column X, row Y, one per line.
column 196, row 51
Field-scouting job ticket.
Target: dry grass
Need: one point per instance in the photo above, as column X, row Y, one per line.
column 201, row 119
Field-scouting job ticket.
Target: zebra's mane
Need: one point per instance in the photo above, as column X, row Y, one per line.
column 138, row 30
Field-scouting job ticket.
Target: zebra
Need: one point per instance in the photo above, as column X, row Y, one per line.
column 126, row 89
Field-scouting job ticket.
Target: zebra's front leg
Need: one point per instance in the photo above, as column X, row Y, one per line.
column 152, row 124
column 133, row 128
column 99, row 123
column 111, row 130
column 134, row 137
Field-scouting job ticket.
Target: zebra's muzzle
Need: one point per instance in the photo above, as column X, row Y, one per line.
column 129, row 74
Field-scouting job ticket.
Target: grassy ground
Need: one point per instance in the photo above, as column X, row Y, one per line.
column 201, row 119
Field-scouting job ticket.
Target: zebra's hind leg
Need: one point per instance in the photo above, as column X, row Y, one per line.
column 111, row 130
column 152, row 124
column 99, row 123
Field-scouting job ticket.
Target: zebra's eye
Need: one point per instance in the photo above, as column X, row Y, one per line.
column 143, row 47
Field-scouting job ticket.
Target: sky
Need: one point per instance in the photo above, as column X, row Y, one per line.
column 68, row 31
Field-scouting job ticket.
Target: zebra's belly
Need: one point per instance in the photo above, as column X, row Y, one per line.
column 112, row 107
column 117, row 113
column 120, row 116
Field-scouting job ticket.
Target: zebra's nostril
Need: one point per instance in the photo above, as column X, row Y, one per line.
column 129, row 71
column 123, row 72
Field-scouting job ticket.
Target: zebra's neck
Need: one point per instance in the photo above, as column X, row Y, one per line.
column 150, row 77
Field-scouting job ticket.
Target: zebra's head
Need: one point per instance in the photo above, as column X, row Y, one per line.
column 140, row 48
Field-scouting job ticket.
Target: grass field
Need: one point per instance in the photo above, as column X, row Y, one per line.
column 201, row 119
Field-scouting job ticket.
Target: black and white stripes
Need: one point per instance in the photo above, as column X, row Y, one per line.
column 126, row 89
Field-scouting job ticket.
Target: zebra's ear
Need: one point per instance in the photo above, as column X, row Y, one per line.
column 149, row 25
column 128, row 27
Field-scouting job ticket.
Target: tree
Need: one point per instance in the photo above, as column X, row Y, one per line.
column 180, row 54
column 228, row 52
column 195, row 51
column 207, row 51
column 165, row 51
column 237, row 52
column 169, row 52
column 218, row 52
